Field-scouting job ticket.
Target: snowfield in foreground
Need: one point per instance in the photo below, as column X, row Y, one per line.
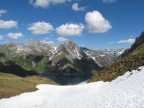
column 126, row 91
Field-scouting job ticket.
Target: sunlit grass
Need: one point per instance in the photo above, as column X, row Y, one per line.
column 11, row 85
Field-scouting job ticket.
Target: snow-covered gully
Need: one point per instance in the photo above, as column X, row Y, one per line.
column 126, row 91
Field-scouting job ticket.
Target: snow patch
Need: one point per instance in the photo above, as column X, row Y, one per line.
column 102, row 55
column 126, row 91
column 53, row 50
column 78, row 55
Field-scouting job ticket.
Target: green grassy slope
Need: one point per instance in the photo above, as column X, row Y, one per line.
column 11, row 85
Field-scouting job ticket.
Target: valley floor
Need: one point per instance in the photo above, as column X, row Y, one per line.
column 126, row 91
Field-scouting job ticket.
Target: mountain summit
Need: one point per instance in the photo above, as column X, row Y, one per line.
column 71, row 60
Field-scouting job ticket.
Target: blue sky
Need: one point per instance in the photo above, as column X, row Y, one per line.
column 96, row 24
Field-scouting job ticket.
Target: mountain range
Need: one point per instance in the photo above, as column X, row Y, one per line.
column 105, row 57
column 39, row 57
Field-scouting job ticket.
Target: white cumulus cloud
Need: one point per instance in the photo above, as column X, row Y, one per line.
column 108, row 1
column 2, row 12
column 39, row 28
column 8, row 24
column 46, row 3
column 129, row 41
column 76, row 7
column 70, row 29
column 1, row 37
column 14, row 35
column 96, row 23
column 62, row 39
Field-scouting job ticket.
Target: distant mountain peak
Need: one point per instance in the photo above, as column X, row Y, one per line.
column 104, row 57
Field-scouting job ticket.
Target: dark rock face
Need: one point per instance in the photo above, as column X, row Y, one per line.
column 138, row 42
